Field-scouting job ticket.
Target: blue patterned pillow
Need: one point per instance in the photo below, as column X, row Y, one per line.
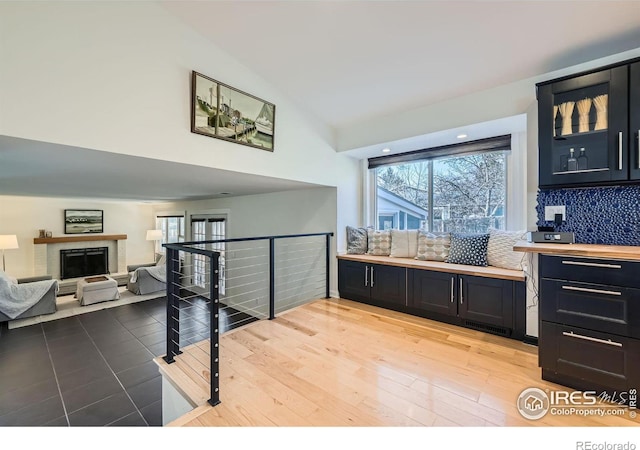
column 470, row 249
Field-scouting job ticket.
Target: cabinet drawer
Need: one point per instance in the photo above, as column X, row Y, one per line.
column 598, row 358
column 591, row 270
column 597, row 307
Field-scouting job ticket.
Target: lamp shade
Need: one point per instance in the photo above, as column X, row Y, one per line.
column 154, row 235
column 8, row 241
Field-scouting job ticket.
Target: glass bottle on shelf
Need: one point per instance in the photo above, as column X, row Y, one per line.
column 582, row 160
column 572, row 162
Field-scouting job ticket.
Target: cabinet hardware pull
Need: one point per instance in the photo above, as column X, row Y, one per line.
column 371, row 276
column 587, row 338
column 604, row 266
column 366, row 275
column 638, row 149
column 620, row 150
column 452, row 289
column 461, row 296
column 595, row 291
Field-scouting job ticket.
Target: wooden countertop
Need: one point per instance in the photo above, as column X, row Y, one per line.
column 629, row 252
column 437, row 266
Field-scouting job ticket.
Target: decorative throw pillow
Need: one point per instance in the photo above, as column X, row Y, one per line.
column 470, row 249
column 500, row 249
column 433, row 246
column 379, row 242
column 162, row 260
column 404, row 243
column 356, row 241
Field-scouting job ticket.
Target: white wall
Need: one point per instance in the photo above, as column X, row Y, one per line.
column 292, row 212
column 115, row 76
column 24, row 216
column 497, row 103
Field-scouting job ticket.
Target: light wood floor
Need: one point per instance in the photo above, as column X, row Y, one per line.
column 342, row 363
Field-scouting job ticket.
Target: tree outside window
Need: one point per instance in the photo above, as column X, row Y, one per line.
column 460, row 193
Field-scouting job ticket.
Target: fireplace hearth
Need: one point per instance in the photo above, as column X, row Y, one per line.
column 83, row 262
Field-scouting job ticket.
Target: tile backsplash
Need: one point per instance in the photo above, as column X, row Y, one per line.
column 599, row 215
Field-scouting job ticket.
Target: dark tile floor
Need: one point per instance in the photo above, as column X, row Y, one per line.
column 95, row 369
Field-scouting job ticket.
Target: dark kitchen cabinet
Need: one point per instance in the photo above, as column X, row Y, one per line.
column 493, row 305
column 486, row 300
column 583, row 131
column 590, row 322
column 433, row 291
column 634, row 121
column 375, row 284
column 473, row 300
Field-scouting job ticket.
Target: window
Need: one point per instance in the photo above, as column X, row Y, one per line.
column 464, row 193
column 172, row 230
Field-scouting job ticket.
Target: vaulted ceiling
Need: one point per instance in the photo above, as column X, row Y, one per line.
column 345, row 63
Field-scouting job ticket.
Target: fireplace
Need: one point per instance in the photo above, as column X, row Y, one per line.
column 82, row 262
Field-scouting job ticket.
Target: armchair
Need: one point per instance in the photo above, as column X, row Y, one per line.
column 46, row 304
column 147, row 278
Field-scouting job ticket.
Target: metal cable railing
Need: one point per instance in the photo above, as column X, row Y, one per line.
column 214, row 286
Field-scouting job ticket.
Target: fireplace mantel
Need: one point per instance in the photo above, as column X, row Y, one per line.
column 46, row 251
column 82, row 238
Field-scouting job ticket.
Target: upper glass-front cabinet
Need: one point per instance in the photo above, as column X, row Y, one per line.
column 583, row 129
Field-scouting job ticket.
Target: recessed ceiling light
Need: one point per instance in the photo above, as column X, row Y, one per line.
column 224, row 193
column 386, row 150
column 462, row 136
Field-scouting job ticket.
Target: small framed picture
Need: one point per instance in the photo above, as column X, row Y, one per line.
column 82, row 221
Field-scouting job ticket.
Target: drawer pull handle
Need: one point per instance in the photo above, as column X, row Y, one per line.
column 605, row 266
column 587, row 338
column 620, row 150
column 595, row 291
column 366, row 275
column 452, row 289
column 371, row 276
column 461, row 295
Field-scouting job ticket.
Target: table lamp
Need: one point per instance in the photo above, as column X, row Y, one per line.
column 154, row 235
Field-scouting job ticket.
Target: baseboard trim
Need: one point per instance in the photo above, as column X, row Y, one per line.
column 533, row 340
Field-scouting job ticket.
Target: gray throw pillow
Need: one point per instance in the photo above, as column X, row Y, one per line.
column 433, row 246
column 379, row 243
column 356, row 241
column 470, row 249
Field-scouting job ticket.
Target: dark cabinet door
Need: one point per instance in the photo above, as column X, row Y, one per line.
column 583, row 129
column 353, row 280
column 592, row 357
column 388, row 284
column 486, row 300
column 634, row 121
column 432, row 291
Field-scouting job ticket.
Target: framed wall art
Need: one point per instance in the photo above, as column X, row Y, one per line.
column 221, row 111
column 82, row 221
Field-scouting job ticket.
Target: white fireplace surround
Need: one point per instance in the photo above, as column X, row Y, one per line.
column 47, row 255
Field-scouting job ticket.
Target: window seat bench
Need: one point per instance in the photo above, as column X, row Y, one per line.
column 489, row 299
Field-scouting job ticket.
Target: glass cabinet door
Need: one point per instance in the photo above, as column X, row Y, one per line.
column 583, row 129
